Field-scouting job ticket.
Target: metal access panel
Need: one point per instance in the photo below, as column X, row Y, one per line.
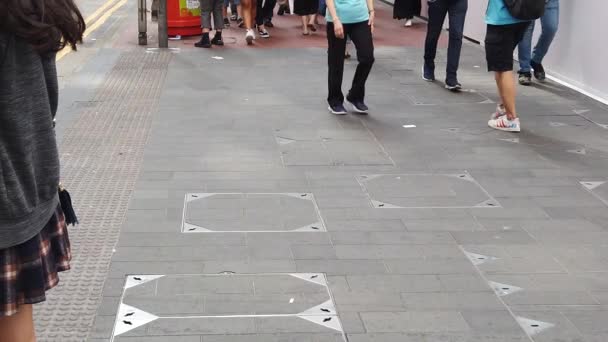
column 599, row 189
column 353, row 146
column 251, row 213
column 238, row 307
column 426, row 191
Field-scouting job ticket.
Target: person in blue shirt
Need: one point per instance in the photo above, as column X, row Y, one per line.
column 529, row 60
column 504, row 32
column 353, row 19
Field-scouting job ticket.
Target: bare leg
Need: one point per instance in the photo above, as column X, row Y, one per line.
column 20, row 327
column 304, row 19
column 248, row 10
column 507, row 91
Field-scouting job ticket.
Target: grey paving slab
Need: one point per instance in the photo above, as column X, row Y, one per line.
column 414, row 321
column 392, row 248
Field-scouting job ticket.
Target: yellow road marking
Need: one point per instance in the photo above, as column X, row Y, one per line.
column 100, row 10
column 90, row 29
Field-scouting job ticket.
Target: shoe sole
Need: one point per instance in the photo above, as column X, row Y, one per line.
column 336, row 113
column 512, row 130
column 357, row 110
column 452, row 88
column 249, row 40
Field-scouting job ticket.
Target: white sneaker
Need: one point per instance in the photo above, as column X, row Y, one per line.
column 500, row 111
column 250, row 36
column 408, row 23
column 502, row 123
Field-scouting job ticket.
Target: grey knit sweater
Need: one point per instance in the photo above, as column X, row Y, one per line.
column 29, row 161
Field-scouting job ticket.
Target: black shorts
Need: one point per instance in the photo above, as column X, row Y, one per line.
column 501, row 41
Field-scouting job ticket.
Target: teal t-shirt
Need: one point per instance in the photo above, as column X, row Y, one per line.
column 498, row 14
column 350, row 11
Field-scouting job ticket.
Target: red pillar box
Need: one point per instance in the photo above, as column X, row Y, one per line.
column 183, row 17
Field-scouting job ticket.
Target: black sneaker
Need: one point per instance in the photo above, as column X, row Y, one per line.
column 240, row 22
column 217, row 40
column 337, row 109
column 539, row 71
column 525, row 78
column 282, row 10
column 226, row 23
column 204, row 42
column 359, row 106
column 268, row 23
column 233, row 17
column 428, row 73
column 453, row 85
column 264, row 33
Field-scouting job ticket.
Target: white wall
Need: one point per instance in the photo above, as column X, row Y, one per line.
column 579, row 54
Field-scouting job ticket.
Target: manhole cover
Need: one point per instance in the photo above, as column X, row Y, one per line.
column 234, row 304
column 251, row 212
column 426, row 191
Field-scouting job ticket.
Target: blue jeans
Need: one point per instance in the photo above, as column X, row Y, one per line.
column 549, row 23
column 457, row 12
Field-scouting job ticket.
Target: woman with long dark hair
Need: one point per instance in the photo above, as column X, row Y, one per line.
column 34, row 244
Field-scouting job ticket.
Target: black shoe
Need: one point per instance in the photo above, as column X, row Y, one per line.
column 337, row 109
column 539, row 71
column 525, row 78
column 240, row 22
column 269, row 23
column 233, row 17
column 453, row 85
column 428, row 73
column 217, row 40
column 359, row 106
column 226, row 23
column 282, row 10
column 204, row 42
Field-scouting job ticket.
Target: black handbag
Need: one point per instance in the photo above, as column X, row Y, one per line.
column 526, row 9
column 66, row 205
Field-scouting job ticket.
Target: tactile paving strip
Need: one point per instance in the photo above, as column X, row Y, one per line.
column 101, row 158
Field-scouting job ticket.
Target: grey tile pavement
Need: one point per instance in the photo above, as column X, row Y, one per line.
column 395, row 274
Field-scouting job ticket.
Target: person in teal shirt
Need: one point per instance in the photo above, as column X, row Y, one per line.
column 353, row 19
column 504, row 32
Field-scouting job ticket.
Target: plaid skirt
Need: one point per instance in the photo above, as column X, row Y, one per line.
column 30, row 269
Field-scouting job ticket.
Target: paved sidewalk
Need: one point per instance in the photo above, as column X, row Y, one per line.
column 254, row 215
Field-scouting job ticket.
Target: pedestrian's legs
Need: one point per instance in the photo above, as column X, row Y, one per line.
column 269, row 10
column 550, row 23
column 218, row 16
column 507, row 91
column 20, row 327
column 249, row 9
column 525, row 50
column 259, row 17
column 206, row 10
column 437, row 12
column 335, row 64
column 457, row 14
column 361, row 35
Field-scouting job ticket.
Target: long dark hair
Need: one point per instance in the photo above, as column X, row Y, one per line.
column 48, row 25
